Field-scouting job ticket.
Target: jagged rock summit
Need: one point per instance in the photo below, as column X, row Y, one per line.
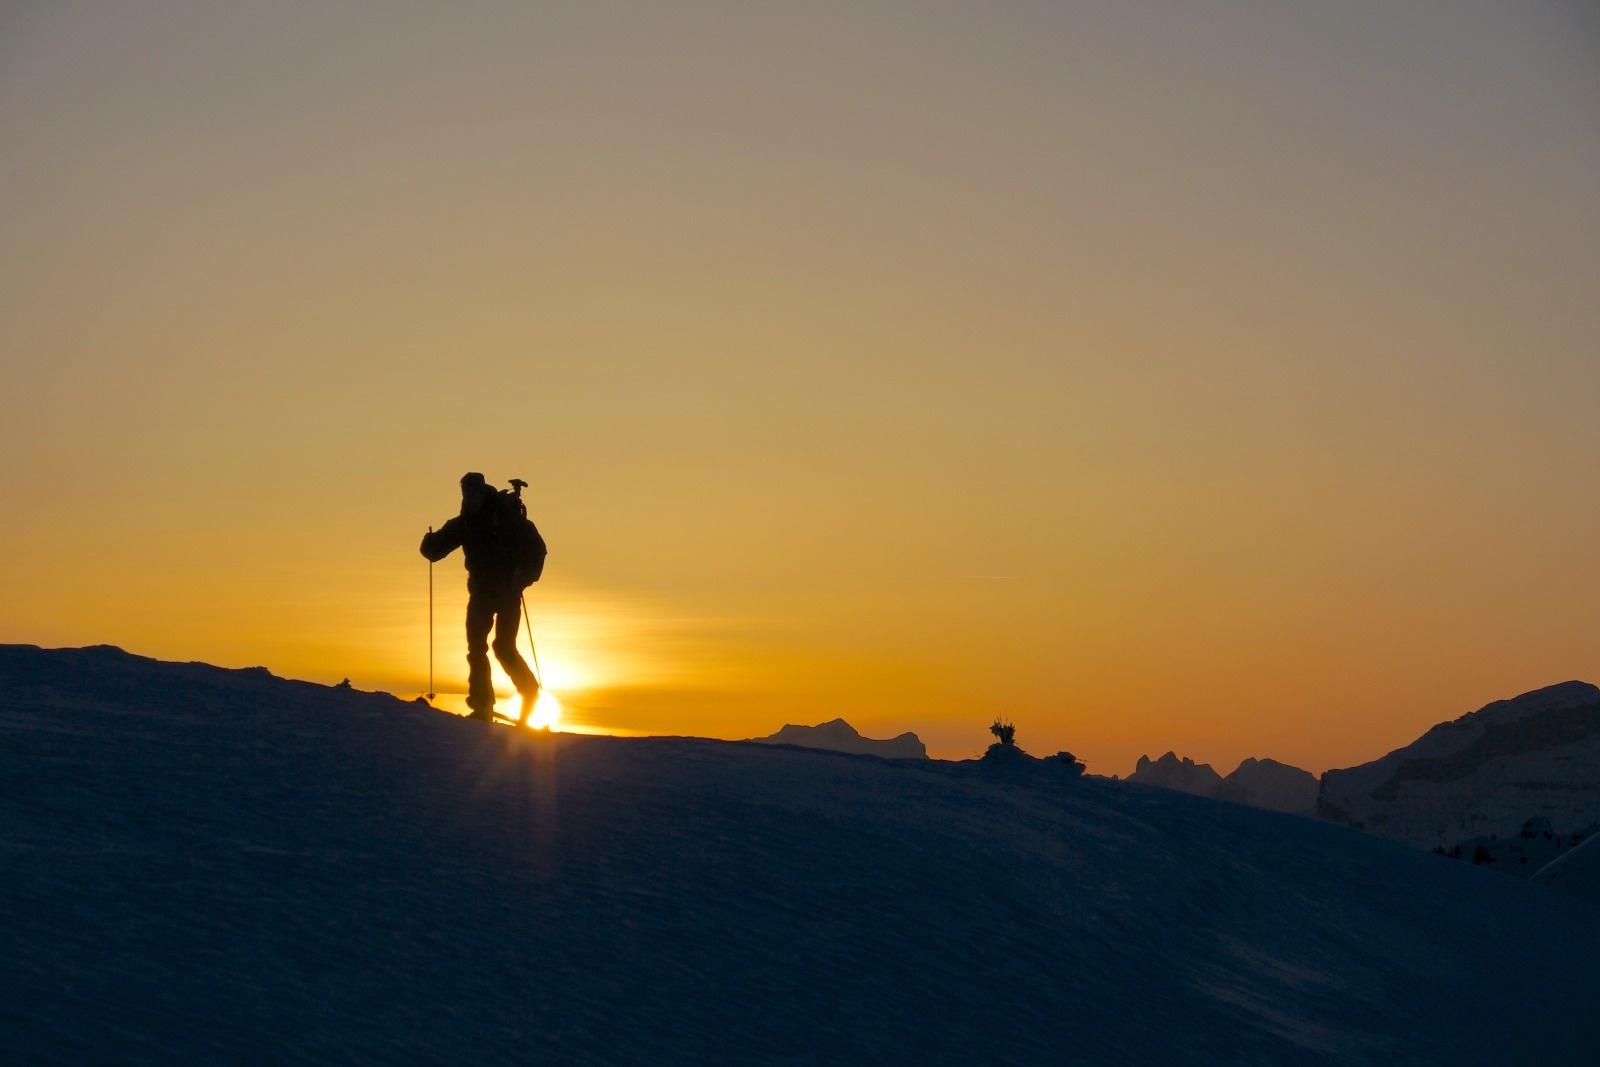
column 1259, row 783
column 1266, row 783
column 1486, row 773
column 1170, row 772
column 836, row 735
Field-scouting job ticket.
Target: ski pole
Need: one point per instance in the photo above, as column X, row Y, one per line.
column 431, row 693
column 538, row 675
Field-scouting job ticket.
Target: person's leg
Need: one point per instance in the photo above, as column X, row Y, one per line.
column 480, row 683
column 508, row 617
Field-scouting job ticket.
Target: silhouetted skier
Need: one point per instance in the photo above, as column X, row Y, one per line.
column 504, row 554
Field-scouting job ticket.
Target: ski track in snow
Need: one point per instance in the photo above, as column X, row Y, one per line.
column 210, row 865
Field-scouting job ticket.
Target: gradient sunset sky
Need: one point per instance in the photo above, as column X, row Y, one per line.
column 1216, row 377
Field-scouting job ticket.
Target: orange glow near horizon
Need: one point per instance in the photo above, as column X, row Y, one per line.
column 546, row 713
column 1210, row 380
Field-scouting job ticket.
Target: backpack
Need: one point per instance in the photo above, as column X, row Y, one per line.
column 527, row 547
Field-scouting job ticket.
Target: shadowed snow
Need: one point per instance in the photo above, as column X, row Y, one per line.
column 215, row 865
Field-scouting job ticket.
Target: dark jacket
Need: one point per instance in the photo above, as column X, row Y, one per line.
column 494, row 542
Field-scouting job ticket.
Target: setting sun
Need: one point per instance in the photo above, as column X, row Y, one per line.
column 546, row 714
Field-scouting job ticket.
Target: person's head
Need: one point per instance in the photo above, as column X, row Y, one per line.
column 474, row 491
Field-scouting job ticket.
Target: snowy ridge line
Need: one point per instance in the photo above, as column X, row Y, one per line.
column 325, row 876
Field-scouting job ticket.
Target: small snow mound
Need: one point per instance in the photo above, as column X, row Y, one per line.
column 1067, row 760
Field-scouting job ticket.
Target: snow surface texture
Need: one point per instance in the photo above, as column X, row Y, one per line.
column 1486, row 773
column 837, row 735
column 1576, row 872
column 1534, row 847
column 209, row 865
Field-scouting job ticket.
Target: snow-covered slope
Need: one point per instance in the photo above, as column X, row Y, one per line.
column 1170, row 772
column 218, row 866
column 836, row 735
column 1576, row 871
column 1488, row 772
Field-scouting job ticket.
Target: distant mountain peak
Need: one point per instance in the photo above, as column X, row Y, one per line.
column 1260, row 783
column 1267, row 783
column 1174, row 772
column 837, row 735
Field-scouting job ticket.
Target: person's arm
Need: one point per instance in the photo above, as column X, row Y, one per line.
column 443, row 541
